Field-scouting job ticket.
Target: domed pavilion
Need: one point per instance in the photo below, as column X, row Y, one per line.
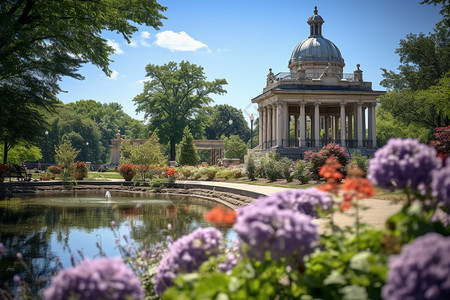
column 315, row 103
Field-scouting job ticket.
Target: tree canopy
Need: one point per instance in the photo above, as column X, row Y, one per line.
column 174, row 97
column 218, row 125
column 188, row 152
column 42, row 41
column 419, row 94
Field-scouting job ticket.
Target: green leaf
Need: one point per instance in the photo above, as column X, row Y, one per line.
column 335, row 278
column 354, row 292
column 360, row 262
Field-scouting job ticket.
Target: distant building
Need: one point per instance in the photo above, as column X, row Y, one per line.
column 315, row 103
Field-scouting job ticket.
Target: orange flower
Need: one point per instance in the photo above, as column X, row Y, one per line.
column 330, row 169
column 361, row 187
column 221, row 216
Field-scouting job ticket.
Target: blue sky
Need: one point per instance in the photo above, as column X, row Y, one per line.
column 241, row 40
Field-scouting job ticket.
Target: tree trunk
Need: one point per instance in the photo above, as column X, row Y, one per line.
column 5, row 152
column 172, row 151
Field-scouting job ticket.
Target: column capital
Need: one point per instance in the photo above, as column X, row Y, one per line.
column 302, row 102
column 359, row 103
column 343, row 103
column 373, row 104
column 317, row 103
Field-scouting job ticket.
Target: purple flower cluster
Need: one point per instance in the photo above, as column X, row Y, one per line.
column 421, row 270
column 403, row 163
column 104, row 278
column 305, row 201
column 232, row 258
column 440, row 185
column 186, row 255
column 278, row 229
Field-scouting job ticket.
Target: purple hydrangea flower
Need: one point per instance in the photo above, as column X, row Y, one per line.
column 232, row 258
column 104, row 278
column 283, row 232
column 186, row 255
column 403, row 163
column 305, row 201
column 421, row 270
column 440, row 185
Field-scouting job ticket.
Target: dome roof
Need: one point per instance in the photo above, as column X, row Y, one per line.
column 316, row 48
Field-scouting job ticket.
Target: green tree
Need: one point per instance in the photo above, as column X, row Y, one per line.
column 42, row 41
column 234, row 147
column 65, row 153
column 174, row 96
column 419, row 94
column 188, row 152
column 218, row 124
column 23, row 152
column 145, row 154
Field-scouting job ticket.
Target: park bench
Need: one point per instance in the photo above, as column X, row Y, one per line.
column 19, row 172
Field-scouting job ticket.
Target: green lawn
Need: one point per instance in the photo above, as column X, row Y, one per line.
column 103, row 175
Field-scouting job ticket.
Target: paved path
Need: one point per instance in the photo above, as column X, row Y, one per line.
column 376, row 213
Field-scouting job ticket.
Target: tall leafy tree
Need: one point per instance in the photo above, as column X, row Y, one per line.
column 420, row 92
column 188, row 152
column 173, row 98
column 42, row 41
column 218, row 124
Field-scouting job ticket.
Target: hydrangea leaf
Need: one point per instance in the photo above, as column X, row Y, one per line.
column 335, row 278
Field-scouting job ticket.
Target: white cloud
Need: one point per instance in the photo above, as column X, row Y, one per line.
column 145, row 35
column 115, row 45
column 114, row 75
column 147, row 79
column 132, row 43
column 178, row 41
column 145, row 44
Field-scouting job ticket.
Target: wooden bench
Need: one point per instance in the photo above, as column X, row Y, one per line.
column 19, row 172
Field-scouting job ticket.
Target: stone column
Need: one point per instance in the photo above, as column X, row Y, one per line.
column 269, row 125
column 302, row 123
column 274, row 123
column 374, row 125
column 363, row 123
column 286, row 117
column 359, row 123
column 343, row 136
column 369, row 123
column 316, row 122
column 350, row 128
column 280, row 126
column 267, row 128
column 261, row 125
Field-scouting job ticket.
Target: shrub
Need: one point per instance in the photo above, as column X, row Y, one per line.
column 285, row 165
column 224, row 173
column 234, row 147
column 302, row 171
column 188, row 152
column 318, row 159
column 251, row 168
column 360, row 161
column 55, row 170
column 271, row 167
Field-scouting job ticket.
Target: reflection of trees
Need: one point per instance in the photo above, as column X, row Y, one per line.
column 28, row 226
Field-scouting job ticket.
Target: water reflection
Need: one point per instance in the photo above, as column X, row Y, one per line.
column 44, row 229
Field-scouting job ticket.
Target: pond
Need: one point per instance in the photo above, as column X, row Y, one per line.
column 47, row 230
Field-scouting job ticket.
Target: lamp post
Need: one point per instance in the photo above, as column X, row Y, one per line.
column 45, row 149
column 87, row 151
column 252, row 117
column 230, row 122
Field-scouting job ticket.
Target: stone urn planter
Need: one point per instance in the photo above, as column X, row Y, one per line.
column 78, row 175
column 127, row 177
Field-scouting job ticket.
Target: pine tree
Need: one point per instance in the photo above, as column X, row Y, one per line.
column 188, row 155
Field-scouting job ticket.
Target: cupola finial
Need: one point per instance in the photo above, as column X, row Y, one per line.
column 315, row 10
